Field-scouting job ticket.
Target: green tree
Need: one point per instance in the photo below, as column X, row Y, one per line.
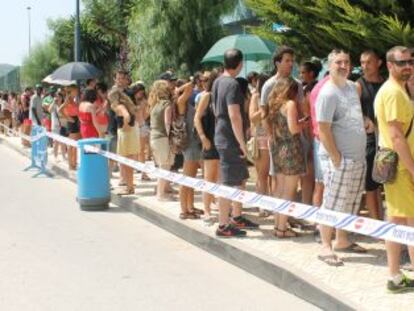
column 111, row 18
column 173, row 34
column 317, row 26
column 96, row 47
column 43, row 60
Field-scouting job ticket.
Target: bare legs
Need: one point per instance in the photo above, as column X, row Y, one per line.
column 373, row 203
column 72, row 152
column 286, row 190
column 186, row 193
column 162, row 185
column 224, row 208
column 394, row 249
column 318, row 194
column 262, row 169
column 211, row 174
column 308, row 183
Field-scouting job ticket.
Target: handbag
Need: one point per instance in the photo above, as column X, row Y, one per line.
column 386, row 163
column 253, row 148
column 178, row 136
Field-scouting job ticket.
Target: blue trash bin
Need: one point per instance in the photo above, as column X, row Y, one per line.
column 93, row 176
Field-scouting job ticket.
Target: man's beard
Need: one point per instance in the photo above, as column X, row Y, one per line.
column 405, row 76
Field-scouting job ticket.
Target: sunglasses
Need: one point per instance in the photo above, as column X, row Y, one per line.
column 403, row 63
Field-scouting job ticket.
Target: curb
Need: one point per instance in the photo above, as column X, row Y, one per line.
column 273, row 271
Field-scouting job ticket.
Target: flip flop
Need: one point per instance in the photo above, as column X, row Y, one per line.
column 407, row 267
column 352, row 248
column 331, row 260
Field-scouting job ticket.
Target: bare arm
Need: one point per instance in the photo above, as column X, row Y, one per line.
column 400, row 145
column 328, row 142
column 35, row 112
column 292, row 117
column 237, row 126
column 359, row 88
column 255, row 114
column 201, row 107
column 168, row 118
column 120, row 110
column 182, row 100
column 51, row 106
column 92, row 109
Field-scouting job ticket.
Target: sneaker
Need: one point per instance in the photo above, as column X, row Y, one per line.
column 406, row 285
column 230, row 231
column 243, row 223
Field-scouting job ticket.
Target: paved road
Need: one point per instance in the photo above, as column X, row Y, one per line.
column 55, row 257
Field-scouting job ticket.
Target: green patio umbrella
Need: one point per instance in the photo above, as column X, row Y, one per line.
column 253, row 47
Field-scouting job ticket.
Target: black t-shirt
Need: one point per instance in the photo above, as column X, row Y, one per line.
column 226, row 91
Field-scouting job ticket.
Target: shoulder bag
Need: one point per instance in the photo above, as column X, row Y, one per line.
column 386, row 162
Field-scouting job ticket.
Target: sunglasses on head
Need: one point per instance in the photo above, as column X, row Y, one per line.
column 402, row 63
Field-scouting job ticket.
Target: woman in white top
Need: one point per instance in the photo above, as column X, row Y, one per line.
column 59, row 123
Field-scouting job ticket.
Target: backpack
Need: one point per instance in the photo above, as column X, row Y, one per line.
column 178, row 137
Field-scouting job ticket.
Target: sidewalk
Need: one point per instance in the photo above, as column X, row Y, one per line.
column 290, row 264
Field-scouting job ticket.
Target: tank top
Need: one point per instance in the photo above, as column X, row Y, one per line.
column 71, row 108
column 208, row 121
column 369, row 90
column 102, row 116
column 158, row 129
column 87, row 129
column 281, row 127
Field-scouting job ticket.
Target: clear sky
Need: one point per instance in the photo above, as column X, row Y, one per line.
column 14, row 29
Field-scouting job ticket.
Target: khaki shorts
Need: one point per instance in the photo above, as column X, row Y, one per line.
column 162, row 152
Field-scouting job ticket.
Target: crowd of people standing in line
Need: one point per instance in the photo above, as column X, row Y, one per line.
column 317, row 136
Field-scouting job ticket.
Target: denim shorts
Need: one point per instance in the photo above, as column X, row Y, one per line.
column 233, row 168
column 318, row 167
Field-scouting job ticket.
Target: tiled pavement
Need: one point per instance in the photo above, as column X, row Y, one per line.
column 361, row 281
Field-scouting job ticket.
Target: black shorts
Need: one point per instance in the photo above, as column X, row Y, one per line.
column 210, row 154
column 74, row 127
column 233, row 168
column 370, row 184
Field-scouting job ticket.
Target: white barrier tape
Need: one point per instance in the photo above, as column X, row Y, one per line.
column 362, row 225
column 16, row 133
column 65, row 140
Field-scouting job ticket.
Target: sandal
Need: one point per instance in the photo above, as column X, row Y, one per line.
column 264, row 213
column 331, row 260
column 352, row 248
column 145, row 177
column 407, row 267
column 283, row 234
column 296, row 223
column 189, row 215
column 125, row 191
column 197, row 211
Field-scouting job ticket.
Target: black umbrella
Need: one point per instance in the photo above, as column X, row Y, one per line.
column 76, row 71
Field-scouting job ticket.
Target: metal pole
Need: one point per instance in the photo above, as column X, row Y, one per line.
column 77, row 33
column 30, row 28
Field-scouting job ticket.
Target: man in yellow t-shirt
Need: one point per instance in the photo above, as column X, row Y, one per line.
column 395, row 115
